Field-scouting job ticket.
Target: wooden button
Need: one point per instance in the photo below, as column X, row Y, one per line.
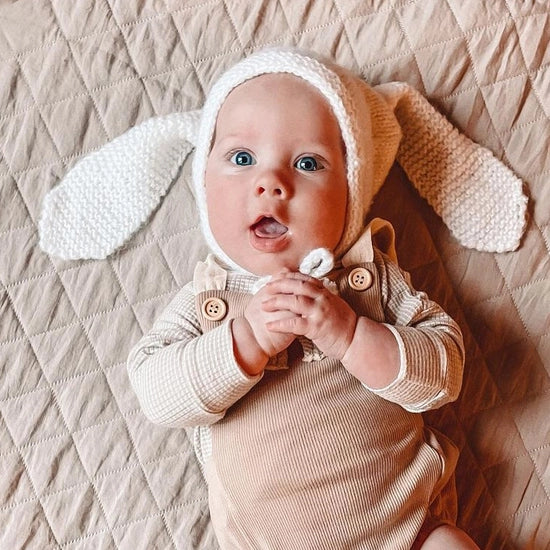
column 214, row 309
column 360, row 279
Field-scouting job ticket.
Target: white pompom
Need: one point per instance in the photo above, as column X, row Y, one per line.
column 317, row 263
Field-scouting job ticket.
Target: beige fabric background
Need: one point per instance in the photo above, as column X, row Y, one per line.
column 80, row 467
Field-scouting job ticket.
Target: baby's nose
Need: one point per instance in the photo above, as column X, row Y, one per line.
column 273, row 185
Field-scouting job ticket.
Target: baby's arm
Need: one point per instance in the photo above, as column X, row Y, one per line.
column 415, row 360
column 367, row 349
column 314, row 312
column 253, row 342
column 182, row 377
column 430, row 343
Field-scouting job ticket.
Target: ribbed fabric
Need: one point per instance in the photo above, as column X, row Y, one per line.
column 307, row 457
column 308, row 460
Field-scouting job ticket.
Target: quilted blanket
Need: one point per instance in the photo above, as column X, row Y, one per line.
column 80, row 466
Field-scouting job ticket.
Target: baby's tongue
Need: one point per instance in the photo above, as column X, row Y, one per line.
column 269, row 228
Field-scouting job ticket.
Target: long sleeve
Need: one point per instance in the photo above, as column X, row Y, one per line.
column 182, row 377
column 430, row 344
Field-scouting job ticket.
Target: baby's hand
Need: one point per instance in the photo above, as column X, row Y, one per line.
column 259, row 318
column 310, row 310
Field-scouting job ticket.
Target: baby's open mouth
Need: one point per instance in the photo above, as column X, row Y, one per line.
column 269, row 228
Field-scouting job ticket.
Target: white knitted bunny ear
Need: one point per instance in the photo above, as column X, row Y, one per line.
column 480, row 200
column 106, row 197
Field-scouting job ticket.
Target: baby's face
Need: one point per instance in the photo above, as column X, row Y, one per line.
column 276, row 175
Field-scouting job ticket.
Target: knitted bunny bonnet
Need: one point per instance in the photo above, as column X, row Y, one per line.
column 368, row 126
column 108, row 195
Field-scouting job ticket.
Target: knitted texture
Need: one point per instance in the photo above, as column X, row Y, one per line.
column 369, row 129
column 480, row 200
column 110, row 193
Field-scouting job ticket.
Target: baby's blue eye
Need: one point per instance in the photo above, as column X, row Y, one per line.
column 308, row 164
column 242, row 158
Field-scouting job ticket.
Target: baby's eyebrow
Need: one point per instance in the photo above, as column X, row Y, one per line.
column 240, row 137
column 325, row 148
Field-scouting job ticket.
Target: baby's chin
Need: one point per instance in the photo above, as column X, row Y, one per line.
column 317, row 262
column 312, row 259
column 263, row 265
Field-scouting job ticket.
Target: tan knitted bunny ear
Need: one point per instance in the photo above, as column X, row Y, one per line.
column 108, row 195
column 480, row 200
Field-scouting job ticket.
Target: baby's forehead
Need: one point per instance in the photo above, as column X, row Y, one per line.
column 279, row 100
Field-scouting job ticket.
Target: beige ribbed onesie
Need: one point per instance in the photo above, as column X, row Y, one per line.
column 306, row 456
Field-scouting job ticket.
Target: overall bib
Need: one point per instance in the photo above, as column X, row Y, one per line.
column 311, row 459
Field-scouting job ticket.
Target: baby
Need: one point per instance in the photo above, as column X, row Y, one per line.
column 303, row 392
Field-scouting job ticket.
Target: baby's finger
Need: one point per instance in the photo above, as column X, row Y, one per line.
column 290, row 325
column 296, row 285
column 299, row 304
column 295, row 275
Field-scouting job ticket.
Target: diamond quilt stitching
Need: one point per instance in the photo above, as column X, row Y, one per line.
column 81, row 75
